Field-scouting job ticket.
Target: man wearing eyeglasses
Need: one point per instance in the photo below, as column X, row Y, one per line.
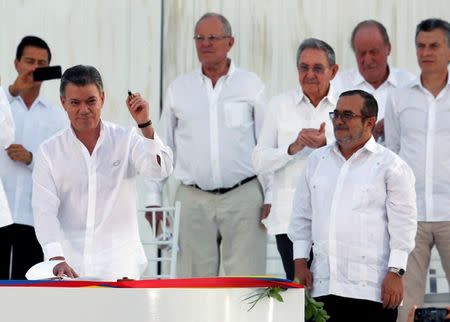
column 211, row 119
column 371, row 46
column 296, row 123
column 417, row 128
column 355, row 203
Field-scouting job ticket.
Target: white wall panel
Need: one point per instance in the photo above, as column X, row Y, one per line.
column 269, row 32
column 120, row 38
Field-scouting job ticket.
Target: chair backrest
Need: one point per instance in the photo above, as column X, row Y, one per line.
column 164, row 239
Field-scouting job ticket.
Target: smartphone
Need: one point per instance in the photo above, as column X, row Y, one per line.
column 430, row 314
column 46, row 73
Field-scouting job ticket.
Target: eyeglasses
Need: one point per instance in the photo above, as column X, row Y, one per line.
column 345, row 115
column 210, row 38
column 316, row 69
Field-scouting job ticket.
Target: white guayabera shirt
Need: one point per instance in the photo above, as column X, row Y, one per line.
column 288, row 113
column 418, row 129
column 6, row 138
column 359, row 213
column 85, row 205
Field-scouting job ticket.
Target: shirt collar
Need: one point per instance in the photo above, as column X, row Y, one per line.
column 228, row 75
column 100, row 137
column 370, row 146
column 331, row 95
column 39, row 100
column 358, row 79
column 417, row 83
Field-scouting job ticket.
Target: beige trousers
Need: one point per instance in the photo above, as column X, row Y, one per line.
column 227, row 223
column 429, row 234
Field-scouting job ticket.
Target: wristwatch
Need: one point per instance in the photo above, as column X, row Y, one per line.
column 398, row 271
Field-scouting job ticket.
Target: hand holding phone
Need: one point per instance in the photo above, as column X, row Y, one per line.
column 46, row 73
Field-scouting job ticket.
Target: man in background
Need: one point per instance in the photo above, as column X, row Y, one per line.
column 35, row 120
column 417, row 128
column 296, row 123
column 211, row 119
column 371, row 45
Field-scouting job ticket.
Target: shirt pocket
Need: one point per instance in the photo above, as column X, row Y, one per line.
column 238, row 114
column 368, row 195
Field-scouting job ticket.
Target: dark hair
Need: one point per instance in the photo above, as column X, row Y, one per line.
column 81, row 75
column 314, row 43
column 370, row 23
column 225, row 23
column 370, row 105
column 32, row 41
column 432, row 24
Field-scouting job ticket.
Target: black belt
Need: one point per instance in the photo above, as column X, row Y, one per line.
column 220, row 191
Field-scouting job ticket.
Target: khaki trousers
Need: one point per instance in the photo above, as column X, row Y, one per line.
column 428, row 235
column 227, row 223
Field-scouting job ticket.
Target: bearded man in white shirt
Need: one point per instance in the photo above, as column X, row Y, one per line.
column 297, row 122
column 211, row 119
column 84, row 189
column 35, row 121
column 417, row 128
column 355, row 204
column 372, row 47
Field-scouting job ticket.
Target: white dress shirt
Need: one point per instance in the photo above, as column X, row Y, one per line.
column 288, row 113
column 212, row 130
column 417, row 126
column 6, row 138
column 33, row 126
column 85, row 205
column 359, row 213
column 352, row 79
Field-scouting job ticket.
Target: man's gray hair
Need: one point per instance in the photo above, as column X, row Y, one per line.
column 370, row 23
column 314, row 43
column 225, row 23
column 432, row 24
column 80, row 75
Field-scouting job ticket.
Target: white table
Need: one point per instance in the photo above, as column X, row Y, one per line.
column 97, row 304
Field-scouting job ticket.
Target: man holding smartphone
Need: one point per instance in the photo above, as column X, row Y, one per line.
column 35, row 120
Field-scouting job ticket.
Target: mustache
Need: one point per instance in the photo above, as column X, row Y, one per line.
column 340, row 127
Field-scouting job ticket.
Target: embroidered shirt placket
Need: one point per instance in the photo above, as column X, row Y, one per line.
column 335, row 205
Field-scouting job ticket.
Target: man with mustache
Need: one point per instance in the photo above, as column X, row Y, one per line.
column 371, row 45
column 296, row 123
column 355, row 203
column 417, row 128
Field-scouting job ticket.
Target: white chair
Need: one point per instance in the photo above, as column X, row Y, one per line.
column 162, row 247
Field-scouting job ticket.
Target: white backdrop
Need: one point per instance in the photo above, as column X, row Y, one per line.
column 123, row 38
